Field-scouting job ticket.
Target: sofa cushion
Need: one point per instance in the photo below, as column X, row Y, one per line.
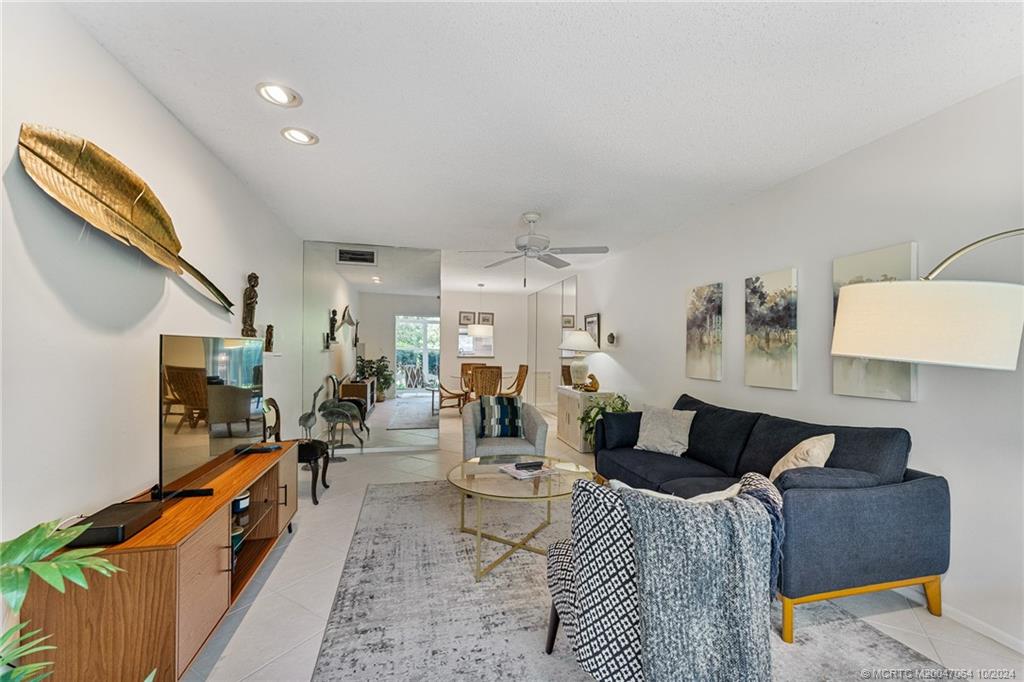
column 690, row 487
column 643, row 469
column 880, row 451
column 621, row 429
column 665, row 431
column 718, row 434
column 831, row 477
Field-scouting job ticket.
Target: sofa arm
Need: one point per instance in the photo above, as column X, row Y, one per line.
column 838, row 538
column 535, row 428
column 825, row 477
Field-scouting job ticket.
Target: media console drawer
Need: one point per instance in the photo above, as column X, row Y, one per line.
column 204, row 584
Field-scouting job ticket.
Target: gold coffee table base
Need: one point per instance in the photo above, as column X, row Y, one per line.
column 479, row 570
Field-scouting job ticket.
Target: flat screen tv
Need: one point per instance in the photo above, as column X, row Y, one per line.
column 211, row 402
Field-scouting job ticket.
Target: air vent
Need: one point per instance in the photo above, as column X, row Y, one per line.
column 357, row 257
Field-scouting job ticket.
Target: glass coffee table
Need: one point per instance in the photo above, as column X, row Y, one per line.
column 481, row 479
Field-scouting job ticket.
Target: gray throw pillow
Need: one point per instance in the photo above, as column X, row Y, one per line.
column 665, row 431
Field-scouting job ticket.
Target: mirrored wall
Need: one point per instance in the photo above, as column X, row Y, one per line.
column 371, row 346
column 550, row 313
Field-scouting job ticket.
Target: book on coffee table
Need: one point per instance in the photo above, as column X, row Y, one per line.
column 525, row 474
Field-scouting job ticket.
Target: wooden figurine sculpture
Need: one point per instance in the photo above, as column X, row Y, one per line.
column 592, row 384
column 249, row 306
column 308, row 420
column 334, row 326
column 268, row 340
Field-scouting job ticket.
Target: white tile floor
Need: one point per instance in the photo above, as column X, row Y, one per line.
column 273, row 632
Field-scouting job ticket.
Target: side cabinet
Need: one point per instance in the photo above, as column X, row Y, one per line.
column 571, row 404
column 287, row 488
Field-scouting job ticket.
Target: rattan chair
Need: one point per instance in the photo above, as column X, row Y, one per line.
column 516, row 387
column 446, row 394
column 189, row 384
column 486, row 381
column 466, row 372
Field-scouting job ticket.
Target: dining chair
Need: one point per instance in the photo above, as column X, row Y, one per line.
column 466, row 372
column 486, row 381
column 446, row 394
column 516, row 387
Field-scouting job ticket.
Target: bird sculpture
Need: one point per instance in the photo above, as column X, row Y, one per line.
column 308, row 420
column 337, row 412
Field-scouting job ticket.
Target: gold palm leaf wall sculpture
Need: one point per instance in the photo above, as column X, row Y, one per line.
column 107, row 194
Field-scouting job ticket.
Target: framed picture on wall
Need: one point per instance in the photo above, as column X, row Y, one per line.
column 485, row 318
column 592, row 323
column 467, row 317
column 568, row 321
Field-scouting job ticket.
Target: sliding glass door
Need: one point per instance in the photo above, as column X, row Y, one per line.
column 417, row 351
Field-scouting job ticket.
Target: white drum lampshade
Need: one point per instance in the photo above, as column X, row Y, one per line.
column 958, row 323
column 480, row 330
column 580, row 342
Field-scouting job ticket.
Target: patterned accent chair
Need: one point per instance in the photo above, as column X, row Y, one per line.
column 533, row 442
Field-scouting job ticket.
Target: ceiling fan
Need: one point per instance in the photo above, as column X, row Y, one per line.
column 538, row 247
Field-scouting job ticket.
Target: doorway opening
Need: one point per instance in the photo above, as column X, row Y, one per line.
column 417, row 354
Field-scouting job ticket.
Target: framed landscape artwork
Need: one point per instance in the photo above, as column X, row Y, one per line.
column 770, row 347
column 568, row 321
column 485, row 318
column 862, row 377
column 467, row 318
column 592, row 323
column 704, row 332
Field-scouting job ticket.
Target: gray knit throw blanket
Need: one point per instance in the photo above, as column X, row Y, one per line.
column 703, row 573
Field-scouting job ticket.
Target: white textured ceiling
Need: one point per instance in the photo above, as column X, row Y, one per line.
column 441, row 123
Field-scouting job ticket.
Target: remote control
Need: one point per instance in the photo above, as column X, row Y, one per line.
column 529, row 465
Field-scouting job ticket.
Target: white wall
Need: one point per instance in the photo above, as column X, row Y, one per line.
column 509, row 329
column 82, row 314
column 947, row 180
column 324, row 289
column 377, row 320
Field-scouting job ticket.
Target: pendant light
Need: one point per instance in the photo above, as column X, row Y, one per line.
column 480, row 330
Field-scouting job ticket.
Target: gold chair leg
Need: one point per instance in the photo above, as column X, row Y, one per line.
column 787, row 619
column 933, row 595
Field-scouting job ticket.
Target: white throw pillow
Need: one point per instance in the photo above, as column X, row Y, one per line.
column 616, row 484
column 812, row 452
column 665, row 430
column 715, row 496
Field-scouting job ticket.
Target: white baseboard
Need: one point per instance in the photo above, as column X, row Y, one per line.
column 1004, row 638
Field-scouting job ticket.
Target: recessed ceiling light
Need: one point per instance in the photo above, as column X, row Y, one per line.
column 281, row 95
column 299, row 136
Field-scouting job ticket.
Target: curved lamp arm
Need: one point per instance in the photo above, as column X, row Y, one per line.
column 1019, row 232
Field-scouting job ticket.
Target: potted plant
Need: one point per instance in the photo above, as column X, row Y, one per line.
column 33, row 552
column 385, row 377
column 597, row 409
column 380, row 369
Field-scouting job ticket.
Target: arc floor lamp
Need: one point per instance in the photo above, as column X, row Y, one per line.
column 959, row 323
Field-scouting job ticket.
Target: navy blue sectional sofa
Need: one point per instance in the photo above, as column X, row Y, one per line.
column 864, row 522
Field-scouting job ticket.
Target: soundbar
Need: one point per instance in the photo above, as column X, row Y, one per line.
column 117, row 523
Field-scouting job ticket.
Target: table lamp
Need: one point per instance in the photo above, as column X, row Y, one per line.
column 579, row 342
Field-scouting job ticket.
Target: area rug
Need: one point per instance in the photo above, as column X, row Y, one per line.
column 407, row 606
column 412, row 413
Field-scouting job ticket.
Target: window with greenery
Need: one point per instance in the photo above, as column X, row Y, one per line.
column 417, row 345
column 475, row 346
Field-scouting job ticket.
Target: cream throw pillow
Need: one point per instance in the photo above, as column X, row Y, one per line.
column 812, row 452
column 665, row 430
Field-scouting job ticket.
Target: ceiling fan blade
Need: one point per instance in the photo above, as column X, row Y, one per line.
column 579, row 249
column 503, row 261
column 553, row 261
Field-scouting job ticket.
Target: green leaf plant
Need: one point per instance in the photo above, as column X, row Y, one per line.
column 35, row 552
column 596, row 410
